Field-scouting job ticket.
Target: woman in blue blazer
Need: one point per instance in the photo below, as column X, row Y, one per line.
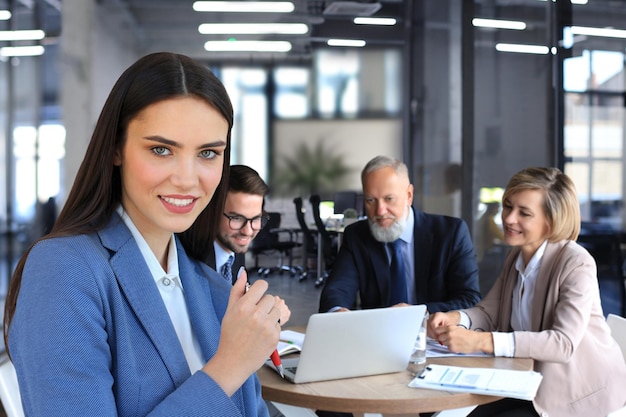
column 114, row 313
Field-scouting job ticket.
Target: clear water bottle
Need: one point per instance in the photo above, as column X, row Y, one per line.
column 418, row 357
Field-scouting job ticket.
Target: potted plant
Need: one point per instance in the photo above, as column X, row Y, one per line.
column 310, row 170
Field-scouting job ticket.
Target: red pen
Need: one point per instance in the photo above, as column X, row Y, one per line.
column 275, row 357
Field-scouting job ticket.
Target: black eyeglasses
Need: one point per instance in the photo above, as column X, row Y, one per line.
column 238, row 222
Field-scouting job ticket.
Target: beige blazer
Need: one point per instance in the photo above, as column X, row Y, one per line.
column 583, row 369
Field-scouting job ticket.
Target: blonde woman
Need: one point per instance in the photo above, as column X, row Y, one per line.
column 545, row 305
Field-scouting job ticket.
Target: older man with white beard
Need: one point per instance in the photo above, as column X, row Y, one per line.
column 400, row 255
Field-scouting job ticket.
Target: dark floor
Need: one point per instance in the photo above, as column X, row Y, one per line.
column 301, row 295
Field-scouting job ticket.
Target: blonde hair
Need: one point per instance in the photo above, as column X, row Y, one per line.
column 560, row 202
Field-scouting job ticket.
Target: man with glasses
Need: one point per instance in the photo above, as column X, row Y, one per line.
column 242, row 219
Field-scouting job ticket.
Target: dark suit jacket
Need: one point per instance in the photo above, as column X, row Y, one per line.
column 446, row 272
column 240, row 260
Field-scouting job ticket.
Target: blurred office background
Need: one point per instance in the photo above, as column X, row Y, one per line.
column 465, row 92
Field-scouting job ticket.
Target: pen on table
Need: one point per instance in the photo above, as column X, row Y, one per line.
column 275, row 357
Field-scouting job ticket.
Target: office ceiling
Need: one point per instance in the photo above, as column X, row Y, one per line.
column 173, row 25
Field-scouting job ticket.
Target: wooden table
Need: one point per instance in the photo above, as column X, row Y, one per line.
column 387, row 394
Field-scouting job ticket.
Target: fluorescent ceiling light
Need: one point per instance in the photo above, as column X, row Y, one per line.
column 499, row 24
column 21, row 35
column 5, row 15
column 34, row 50
column 346, row 42
column 244, row 6
column 381, row 21
column 572, row 1
column 525, row 49
column 604, row 32
column 253, row 28
column 252, row 46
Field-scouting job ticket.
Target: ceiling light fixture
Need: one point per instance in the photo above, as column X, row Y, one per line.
column 253, row 28
column 244, row 6
column 357, row 43
column 34, row 50
column 247, row 46
column 5, row 15
column 524, row 49
column 498, row 24
column 603, row 32
column 572, row 1
column 351, row 8
column 380, row 21
column 22, row 35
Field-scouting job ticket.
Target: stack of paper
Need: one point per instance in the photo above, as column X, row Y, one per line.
column 499, row 382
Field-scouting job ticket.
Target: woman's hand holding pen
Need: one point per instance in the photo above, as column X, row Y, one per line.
column 444, row 327
column 250, row 332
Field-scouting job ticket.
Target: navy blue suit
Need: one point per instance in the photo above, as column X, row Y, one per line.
column 446, row 272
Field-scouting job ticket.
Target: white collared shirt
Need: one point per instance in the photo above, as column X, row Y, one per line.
column 172, row 292
column 523, row 295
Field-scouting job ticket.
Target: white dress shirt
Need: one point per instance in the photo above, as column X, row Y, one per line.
column 504, row 342
column 172, row 292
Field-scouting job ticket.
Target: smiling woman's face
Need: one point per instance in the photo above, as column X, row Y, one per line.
column 171, row 163
column 524, row 221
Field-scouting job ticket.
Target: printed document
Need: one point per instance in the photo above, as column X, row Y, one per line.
column 499, row 382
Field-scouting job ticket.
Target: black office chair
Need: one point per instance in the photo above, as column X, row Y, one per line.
column 272, row 239
column 604, row 244
column 329, row 243
column 308, row 240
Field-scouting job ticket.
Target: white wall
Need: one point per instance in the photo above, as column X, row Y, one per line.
column 97, row 47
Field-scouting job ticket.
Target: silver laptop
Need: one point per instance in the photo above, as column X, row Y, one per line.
column 355, row 343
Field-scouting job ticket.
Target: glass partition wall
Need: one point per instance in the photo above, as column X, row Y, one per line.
column 475, row 91
column 498, row 86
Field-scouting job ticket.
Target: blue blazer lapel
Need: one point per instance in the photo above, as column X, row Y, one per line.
column 137, row 284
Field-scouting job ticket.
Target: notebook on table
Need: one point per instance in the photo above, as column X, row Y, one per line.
column 355, row 343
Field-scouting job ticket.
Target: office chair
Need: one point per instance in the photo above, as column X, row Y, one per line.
column 271, row 240
column 345, row 200
column 604, row 244
column 329, row 245
column 309, row 239
column 9, row 388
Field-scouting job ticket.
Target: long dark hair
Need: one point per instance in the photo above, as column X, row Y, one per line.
column 97, row 187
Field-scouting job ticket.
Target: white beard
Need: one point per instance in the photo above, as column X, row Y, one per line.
column 390, row 233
